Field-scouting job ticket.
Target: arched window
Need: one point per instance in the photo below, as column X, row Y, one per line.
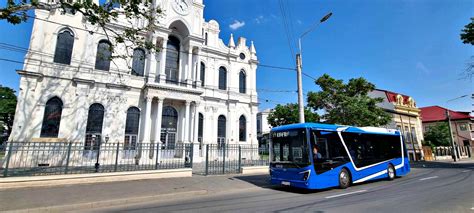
column 52, row 118
column 138, row 64
column 221, row 130
column 64, row 45
column 172, row 60
column 203, row 73
column 102, row 59
column 131, row 128
column 222, row 78
column 242, row 83
column 242, row 128
column 95, row 119
column 200, row 127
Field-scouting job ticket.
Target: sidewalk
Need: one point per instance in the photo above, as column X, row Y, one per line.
column 83, row 196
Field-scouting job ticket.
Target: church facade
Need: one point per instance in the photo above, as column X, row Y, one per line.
column 196, row 89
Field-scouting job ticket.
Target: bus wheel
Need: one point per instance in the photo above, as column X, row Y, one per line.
column 391, row 172
column 344, row 179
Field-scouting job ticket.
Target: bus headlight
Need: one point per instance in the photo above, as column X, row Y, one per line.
column 306, row 174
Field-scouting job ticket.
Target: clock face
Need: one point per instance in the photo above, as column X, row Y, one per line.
column 181, row 6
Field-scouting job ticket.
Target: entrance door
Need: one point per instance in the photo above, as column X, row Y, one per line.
column 221, row 128
column 169, row 127
column 95, row 120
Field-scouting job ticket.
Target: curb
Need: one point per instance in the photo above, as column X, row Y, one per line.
column 58, row 180
column 108, row 203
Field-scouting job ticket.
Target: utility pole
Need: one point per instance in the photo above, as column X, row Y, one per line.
column 451, row 136
column 299, row 67
column 300, row 88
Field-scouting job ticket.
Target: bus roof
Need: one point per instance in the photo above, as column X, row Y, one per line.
column 334, row 127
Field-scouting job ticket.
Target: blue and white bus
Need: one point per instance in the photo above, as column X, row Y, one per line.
column 317, row 156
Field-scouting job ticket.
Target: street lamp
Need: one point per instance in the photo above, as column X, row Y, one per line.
column 299, row 63
column 448, row 117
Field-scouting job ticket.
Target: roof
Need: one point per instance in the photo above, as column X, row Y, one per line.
column 437, row 113
column 334, row 127
column 392, row 96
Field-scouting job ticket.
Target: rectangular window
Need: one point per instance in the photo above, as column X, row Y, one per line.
column 407, row 134
column 463, row 127
column 413, row 134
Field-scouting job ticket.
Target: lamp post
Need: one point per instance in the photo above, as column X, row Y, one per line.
column 448, row 117
column 299, row 65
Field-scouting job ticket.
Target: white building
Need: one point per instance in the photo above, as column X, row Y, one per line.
column 263, row 127
column 197, row 89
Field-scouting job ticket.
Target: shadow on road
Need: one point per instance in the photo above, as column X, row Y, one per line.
column 444, row 165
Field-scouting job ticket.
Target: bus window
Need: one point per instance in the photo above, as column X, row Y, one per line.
column 368, row 149
column 331, row 151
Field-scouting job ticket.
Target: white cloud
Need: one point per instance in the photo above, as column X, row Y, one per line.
column 259, row 19
column 299, row 22
column 422, row 67
column 237, row 24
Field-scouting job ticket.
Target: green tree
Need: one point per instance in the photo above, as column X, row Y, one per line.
column 347, row 104
column 7, row 107
column 467, row 33
column 438, row 135
column 467, row 37
column 288, row 114
column 102, row 15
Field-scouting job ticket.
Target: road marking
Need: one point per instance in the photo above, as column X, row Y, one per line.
column 466, row 171
column 472, row 208
column 429, row 178
column 349, row 193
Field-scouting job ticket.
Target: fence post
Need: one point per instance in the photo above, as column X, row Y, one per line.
column 223, row 158
column 5, row 172
column 157, row 161
column 240, row 159
column 68, row 157
column 116, row 156
column 191, row 154
column 207, row 159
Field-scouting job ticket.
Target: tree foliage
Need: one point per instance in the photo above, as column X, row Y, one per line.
column 347, row 104
column 101, row 15
column 467, row 34
column 7, row 107
column 438, row 135
column 289, row 114
column 467, row 37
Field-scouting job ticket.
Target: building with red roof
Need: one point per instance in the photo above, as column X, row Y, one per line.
column 462, row 124
column 405, row 117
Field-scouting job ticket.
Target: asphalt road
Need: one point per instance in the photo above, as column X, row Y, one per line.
column 434, row 188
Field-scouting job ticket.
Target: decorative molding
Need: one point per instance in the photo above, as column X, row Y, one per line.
column 117, row 86
column 185, row 90
column 30, row 74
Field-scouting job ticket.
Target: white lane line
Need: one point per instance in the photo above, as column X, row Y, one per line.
column 429, row 178
column 472, row 208
column 349, row 193
column 466, row 171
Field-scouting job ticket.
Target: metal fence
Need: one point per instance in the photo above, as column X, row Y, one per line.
column 447, row 151
column 227, row 159
column 39, row 158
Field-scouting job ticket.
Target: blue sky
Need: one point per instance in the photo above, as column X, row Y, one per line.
column 410, row 47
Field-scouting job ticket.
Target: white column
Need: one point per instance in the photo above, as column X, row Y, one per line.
column 162, row 73
column 229, row 126
column 182, row 69
column 198, row 68
column 151, row 65
column 159, row 112
column 190, row 67
column 196, row 122
column 186, row 122
column 147, row 120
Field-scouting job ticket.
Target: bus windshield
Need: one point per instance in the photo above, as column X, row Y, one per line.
column 290, row 148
